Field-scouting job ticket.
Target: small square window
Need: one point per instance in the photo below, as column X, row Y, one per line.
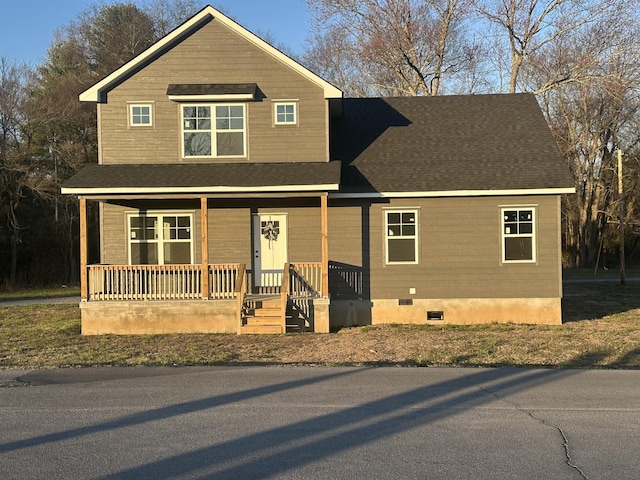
column 140, row 115
column 285, row 113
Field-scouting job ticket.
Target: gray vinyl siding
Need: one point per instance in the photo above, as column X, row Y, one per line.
column 214, row 54
column 459, row 249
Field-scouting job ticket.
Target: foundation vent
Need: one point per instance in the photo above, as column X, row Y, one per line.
column 435, row 315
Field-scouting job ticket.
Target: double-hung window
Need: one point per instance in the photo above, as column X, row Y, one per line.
column 160, row 238
column 213, row 130
column 518, row 235
column 401, row 236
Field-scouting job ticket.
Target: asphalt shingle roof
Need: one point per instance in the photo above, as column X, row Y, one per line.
column 176, row 175
column 409, row 144
column 447, row 143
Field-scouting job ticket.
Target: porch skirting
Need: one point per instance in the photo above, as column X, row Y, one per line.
column 459, row 311
column 156, row 317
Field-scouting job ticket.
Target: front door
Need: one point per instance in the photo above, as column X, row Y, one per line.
column 269, row 248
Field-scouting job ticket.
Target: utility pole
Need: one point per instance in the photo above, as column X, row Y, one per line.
column 622, row 217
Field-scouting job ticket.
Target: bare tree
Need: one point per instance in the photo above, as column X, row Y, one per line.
column 528, row 27
column 398, row 47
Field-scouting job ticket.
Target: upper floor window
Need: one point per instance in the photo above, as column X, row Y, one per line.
column 518, row 235
column 401, row 235
column 140, row 115
column 285, row 113
column 213, row 130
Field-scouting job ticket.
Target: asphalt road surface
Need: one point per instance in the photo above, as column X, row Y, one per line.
column 319, row 423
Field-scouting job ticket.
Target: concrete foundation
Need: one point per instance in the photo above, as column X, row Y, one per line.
column 139, row 318
column 451, row 310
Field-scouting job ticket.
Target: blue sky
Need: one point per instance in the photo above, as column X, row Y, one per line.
column 27, row 26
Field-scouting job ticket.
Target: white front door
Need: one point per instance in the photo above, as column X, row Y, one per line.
column 269, row 248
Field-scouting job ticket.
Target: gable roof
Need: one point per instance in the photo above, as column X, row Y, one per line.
column 97, row 92
column 447, row 146
column 203, row 178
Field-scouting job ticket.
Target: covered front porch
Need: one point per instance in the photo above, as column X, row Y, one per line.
column 216, row 298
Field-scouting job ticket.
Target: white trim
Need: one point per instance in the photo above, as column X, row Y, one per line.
column 283, row 103
column 457, row 193
column 415, row 236
column 161, row 241
column 217, row 189
column 132, row 105
column 212, row 98
column 93, row 94
column 533, row 235
column 213, row 130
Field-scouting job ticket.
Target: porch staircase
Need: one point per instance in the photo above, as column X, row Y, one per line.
column 262, row 314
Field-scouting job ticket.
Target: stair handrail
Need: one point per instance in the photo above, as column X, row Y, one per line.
column 284, row 295
column 241, row 292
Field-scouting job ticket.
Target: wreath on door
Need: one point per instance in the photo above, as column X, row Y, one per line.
column 270, row 231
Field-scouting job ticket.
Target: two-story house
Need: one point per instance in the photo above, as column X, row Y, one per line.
column 240, row 192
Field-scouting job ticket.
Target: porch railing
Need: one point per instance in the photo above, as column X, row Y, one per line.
column 160, row 282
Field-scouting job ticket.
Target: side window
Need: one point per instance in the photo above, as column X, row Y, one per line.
column 140, row 115
column 285, row 113
column 222, row 135
column 401, row 236
column 160, row 239
column 518, row 235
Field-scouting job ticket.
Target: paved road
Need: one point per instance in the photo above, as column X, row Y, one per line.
column 319, row 423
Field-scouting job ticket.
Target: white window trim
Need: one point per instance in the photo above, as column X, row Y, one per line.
column 130, row 107
column 533, row 235
column 159, row 242
column 277, row 103
column 212, row 131
column 416, row 237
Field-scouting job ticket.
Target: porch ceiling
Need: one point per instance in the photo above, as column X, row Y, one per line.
column 203, row 178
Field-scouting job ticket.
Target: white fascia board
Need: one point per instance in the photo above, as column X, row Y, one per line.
column 93, row 93
column 217, row 189
column 457, row 193
column 232, row 97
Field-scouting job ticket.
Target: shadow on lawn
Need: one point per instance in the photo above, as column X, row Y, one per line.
column 591, row 299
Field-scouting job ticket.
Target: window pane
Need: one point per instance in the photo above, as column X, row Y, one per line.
column 518, row 248
column 222, row 112
column 222, row 124
column 401, row 250
column 408, row 230
column 144, row 253
column 177, row 253
column 189, row 112
column 230, row 143
column 393, row 218
column 204, row 112
column 393, row 230
column 525, row 216
column 510, row 216
column 408, row 217
column 237, row 111
column 510, row 228
column 197, row 144
column 526, row 228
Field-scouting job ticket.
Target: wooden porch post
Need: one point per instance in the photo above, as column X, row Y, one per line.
column 325, row 244
column 84, row 280
column 204, row 227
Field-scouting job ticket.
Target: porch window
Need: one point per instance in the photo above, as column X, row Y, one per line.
column 518, row 235
column 160, row 239
column 401, row 236
column 213, row 130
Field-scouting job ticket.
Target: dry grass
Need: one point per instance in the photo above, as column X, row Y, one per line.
column 602, row 330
